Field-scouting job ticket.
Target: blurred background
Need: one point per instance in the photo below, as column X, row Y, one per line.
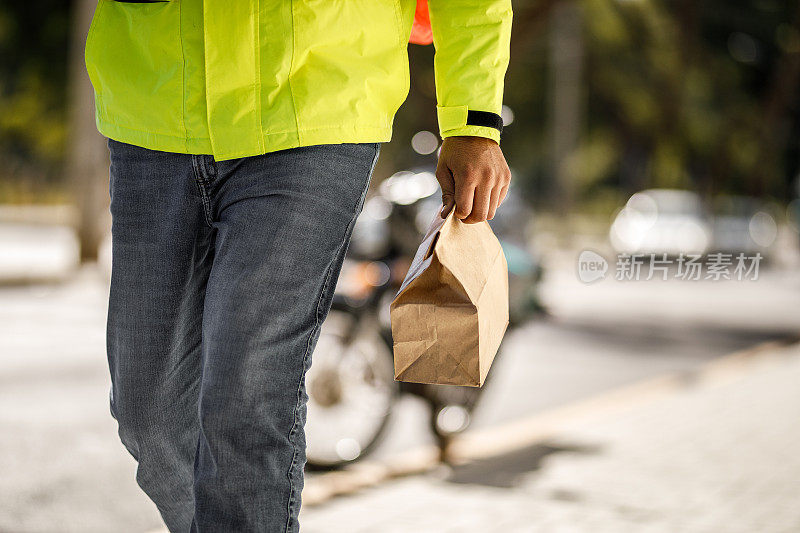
column 649, row 129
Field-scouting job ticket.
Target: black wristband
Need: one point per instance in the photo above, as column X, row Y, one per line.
column 485, row 118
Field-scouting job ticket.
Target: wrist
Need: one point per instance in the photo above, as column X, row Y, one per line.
column 473, row 138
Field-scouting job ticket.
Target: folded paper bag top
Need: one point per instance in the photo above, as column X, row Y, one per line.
column 451, row 311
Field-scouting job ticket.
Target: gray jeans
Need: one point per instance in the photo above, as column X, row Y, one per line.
column 223, row 273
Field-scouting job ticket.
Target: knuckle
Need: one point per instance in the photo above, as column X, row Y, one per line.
column 477, row 177
column 464, row 189
column 469, row 167
column 472, row 171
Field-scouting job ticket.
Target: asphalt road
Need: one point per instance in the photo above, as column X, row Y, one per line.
column 605, row 335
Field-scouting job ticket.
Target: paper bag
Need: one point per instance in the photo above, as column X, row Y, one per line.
column 451, row 311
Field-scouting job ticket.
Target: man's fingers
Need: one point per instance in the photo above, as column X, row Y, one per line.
column 447, row 204
column 494, row 203
column 480, row 205
column 502, row 195
column 474, row 178
column 447, row 183
column 465, row 192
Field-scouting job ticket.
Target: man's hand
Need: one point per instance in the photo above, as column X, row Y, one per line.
column 474, row 177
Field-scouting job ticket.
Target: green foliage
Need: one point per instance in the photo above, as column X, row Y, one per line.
column 33, row 66
column 675, row 93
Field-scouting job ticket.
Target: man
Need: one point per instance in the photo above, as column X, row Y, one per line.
column 243, row 136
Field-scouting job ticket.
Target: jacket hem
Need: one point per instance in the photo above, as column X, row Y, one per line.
column 272, row 141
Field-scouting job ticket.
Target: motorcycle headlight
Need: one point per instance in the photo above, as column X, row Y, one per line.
column 359, row 278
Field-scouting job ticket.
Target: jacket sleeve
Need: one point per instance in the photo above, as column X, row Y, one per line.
column 472, row 40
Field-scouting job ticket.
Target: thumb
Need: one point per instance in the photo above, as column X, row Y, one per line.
column 448, row 201
column 447, row 184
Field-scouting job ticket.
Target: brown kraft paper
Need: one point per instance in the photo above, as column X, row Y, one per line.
column 451, row 311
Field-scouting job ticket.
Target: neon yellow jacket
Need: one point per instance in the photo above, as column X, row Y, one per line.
column 235, row 78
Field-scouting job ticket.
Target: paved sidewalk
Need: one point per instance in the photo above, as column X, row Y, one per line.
column 720, row 454
column 63, row 469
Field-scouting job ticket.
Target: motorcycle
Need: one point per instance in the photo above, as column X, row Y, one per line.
column 351, row 384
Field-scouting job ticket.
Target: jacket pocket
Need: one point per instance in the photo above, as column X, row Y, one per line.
column 134, row 57
column 350, row 62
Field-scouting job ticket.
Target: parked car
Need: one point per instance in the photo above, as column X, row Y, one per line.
column 742, row 224
column 662, row 221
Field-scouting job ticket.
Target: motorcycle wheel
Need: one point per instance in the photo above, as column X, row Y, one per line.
column 451, row 408
column 351, row 392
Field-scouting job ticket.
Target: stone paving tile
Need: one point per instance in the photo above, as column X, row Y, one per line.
column 717, row 457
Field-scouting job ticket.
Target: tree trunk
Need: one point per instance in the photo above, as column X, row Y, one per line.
column 775, row 127
column 87, row 158
column 565, row 95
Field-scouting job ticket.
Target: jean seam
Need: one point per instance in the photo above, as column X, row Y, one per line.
column 317, row 325
column 202, row 185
